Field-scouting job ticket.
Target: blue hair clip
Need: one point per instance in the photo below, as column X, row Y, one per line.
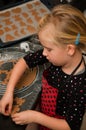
column 77, row 39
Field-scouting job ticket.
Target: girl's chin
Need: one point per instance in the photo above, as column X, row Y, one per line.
column 52, row 63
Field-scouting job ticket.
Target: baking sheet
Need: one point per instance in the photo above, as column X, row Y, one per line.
column 21, row 21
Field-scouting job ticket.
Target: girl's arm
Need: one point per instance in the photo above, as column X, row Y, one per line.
column 17, row 72
column 52, row 123
column 7, row 99
column 31, row 116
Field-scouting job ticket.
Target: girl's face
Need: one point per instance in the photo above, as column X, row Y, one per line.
column 56, row 54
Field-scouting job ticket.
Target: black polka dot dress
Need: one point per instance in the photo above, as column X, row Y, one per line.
column 60, row 99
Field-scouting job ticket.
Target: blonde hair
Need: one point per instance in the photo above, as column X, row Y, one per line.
column 71, row 22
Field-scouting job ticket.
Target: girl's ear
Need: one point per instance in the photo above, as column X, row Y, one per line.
column 71, row 49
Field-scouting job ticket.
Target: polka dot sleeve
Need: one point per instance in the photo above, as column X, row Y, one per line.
column 34, row 59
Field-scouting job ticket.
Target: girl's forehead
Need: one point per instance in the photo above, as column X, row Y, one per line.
column 47, row 32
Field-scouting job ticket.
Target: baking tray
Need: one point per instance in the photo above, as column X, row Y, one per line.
column 20, row 22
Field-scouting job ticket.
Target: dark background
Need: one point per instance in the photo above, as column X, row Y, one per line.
column 80, row 4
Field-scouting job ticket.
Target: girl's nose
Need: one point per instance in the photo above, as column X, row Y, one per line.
column 44, row 52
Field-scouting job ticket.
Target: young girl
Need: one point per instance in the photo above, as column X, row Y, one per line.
column 62, row 34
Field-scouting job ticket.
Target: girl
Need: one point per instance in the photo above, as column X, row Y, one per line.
column 62, row 34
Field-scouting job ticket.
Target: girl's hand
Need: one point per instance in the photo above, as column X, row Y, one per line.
column 6, row 104
column 24, row 117
column 32, row 116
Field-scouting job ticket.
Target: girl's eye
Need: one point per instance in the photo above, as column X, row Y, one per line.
column 49, row 49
